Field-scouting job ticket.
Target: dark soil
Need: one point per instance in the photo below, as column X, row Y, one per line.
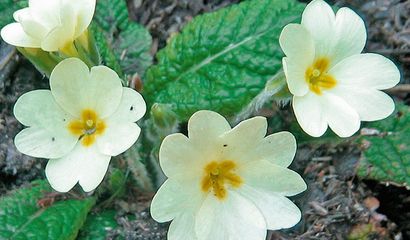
column 336, row 204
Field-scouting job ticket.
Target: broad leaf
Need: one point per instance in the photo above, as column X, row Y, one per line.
column 221, row 60
column 386, row 155
column 22, row 218
column 131, row 42
column 98, row 226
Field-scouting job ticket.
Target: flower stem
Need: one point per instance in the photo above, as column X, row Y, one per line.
column 275, row 89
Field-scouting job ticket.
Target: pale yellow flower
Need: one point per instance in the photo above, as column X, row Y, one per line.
column 51, row 25
column 86, row 118
column 332, row 82
column 227, row 183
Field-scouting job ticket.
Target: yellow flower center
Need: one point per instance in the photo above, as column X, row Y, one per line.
column 318, row 78
column 88, row 127
column 218, row 175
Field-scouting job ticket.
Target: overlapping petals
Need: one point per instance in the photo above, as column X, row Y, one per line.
column 57, row 131
column 252, row 169
column 332, row 82
column 49, row 25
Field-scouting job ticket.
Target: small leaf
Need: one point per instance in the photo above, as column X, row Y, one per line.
column 8, row 7
column 117, row 181
column 98, row 226
column 221, row 60
column 132, row 47
column 129, row 41
column 21, row 217
column 386, row 155
column 105, row 49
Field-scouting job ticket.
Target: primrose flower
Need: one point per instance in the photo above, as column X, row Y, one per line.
column 51, row 25
column 227, row 183
column 332, row 83
column 86, row 118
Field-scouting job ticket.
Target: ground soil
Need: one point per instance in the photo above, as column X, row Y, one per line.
column 336, row 205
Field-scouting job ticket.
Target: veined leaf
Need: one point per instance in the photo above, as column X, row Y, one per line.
column 22, row 219
column 221, row 60
column 129, row 41
column 386, row 156
column 98, row 225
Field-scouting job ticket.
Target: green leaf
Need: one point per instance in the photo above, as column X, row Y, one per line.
column 8, row 7
column 117, row 181
column 21, row 218
column 132, row 47
column 131, row 42
column 98, row 225
column 221, row 60
column 386, row 155
column 105, row 49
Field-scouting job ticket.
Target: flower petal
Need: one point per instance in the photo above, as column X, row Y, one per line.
column 69, row 83
column 178, row 155
column 33, row 28
column 84, row 11
column 341, row 117
column 319, row 18
column 278, row 148
column 132, row 106
column 234, row 218
column 366, row 71
column 166, row 204
column 106, row 89
column 182, row 228
column 38, row 108
column 94, row 165
column 246, row 135
column 174, row 198
column 63, row 33
column 84, row 165
column 295, row 76
column 118, row 137
column 56, row 39
column 350, row 34
column 279, row 211
column 309, row 113
column 370, row 104
column 297, row 43
column 62, row 173
column 44, row 143
column 48, row 14
column 204, row 131
column 76, row 89
column 206, row 125
column 14, row 34
column 272, row 178
column 21, row 13
column 48, row 137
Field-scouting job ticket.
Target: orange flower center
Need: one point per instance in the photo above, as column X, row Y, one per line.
column 88, row 127
column 318, row 78
column 219, row 175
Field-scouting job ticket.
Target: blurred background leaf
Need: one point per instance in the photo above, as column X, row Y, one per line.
column 31, row 213
column 98, row 226
column 129, row 41
column 8, row 7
